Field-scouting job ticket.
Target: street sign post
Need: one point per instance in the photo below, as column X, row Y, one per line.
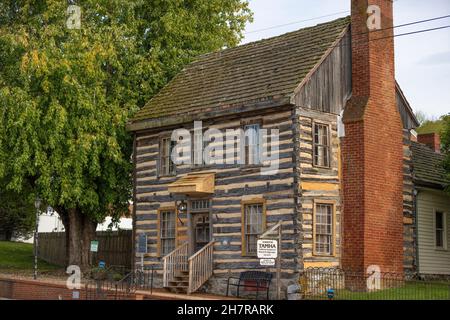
column 269, row 248
column 94, row 246
column 267, row 262
column 142, row 248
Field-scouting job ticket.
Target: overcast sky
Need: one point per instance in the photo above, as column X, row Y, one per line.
column 422, row 60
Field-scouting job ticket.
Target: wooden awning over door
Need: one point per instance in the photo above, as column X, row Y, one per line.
column 194, row 184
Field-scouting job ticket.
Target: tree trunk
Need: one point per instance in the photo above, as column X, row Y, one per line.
column 80, row 231
column 8, row 235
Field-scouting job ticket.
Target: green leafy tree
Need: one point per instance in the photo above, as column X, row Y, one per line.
column 445, row 141
column 66, row 94
column 17, row 214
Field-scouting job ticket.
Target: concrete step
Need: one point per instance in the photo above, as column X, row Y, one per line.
column 179, row 283
column 178, row 289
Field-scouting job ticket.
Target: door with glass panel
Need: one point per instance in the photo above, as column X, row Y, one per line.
column 200, row 226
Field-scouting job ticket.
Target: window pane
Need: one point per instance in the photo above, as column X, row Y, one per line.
column 323, row 228
column 321, row 145
column 166, row 165
column 252, row 144
column 253, row 215
column 167, row 231
column 439, row 220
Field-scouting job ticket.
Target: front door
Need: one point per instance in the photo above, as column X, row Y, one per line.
column 201, row 230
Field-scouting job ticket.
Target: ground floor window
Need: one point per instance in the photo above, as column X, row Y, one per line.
column 167, row 231
column 440, row 230
column 324, row 222
column 253, row 224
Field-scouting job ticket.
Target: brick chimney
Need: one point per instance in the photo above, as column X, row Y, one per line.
column 372, row 149
column 432, row 140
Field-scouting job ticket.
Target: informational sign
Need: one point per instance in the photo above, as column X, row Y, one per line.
column 75, row 294
column 94, row 246
column 267, row 249
column 142, row 243
column 267, row 262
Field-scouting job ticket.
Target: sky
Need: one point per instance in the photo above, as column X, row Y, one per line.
column 422, row 60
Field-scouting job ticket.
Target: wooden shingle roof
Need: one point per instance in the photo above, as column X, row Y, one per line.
column 262, row 70
column 428, row 167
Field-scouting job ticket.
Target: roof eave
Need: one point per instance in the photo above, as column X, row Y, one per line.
column 219, row 111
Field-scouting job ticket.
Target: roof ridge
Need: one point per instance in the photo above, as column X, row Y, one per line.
column 271, row 67
column 199, row 57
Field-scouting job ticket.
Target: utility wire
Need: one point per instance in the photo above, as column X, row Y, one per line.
column 363, row 42
column 404, row 25
column 296, row 22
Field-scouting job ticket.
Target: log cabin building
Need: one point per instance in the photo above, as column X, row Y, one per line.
column 342, row 189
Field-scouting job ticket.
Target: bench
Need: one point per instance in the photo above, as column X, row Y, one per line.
column 257, row 280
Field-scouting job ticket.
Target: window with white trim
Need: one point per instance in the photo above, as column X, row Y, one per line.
column 167, row 231
column 324, row 229
column 321, row 145
column 440, row 229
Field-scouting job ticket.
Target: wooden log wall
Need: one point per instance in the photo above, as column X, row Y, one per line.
column 318, row 184
column 233, row 185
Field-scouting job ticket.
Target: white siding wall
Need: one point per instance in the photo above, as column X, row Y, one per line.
column 432, row 260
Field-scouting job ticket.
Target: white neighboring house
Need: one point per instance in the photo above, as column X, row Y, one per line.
column 50, row 221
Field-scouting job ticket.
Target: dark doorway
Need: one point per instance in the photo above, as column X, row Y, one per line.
column 200, row 224
column 201, row 230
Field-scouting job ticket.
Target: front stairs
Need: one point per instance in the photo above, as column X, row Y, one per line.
column 184, row 274
column 180, row 282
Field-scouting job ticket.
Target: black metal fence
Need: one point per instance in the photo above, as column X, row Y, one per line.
column 123, row 289
column 338, row 284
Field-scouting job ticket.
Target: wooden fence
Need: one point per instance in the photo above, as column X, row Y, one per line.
column 115, row 248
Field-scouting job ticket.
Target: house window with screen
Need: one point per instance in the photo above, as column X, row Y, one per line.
column 253, row 225
column 167, row 231
column 324, row 229
column 321, row 145
column 440, row 230
column 166, row 166
column 252, row 144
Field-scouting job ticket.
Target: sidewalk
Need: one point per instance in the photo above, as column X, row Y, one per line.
column 22, row 287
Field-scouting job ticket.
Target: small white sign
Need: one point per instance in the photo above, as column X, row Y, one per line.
column 267, row 249
column 267, row 262
column 94, row 246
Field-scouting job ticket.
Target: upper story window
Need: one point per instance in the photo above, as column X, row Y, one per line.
column 166, row 166
column 252, row 144
column 321, row 145
column 197, row 146
column 440, row 230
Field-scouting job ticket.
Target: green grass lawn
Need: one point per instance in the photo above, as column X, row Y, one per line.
column 411, row 290
column 17, row 256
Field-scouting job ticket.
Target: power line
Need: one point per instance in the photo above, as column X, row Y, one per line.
column 300, row 21
column 405, row 24
column 296, row 22
column 362, row 42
